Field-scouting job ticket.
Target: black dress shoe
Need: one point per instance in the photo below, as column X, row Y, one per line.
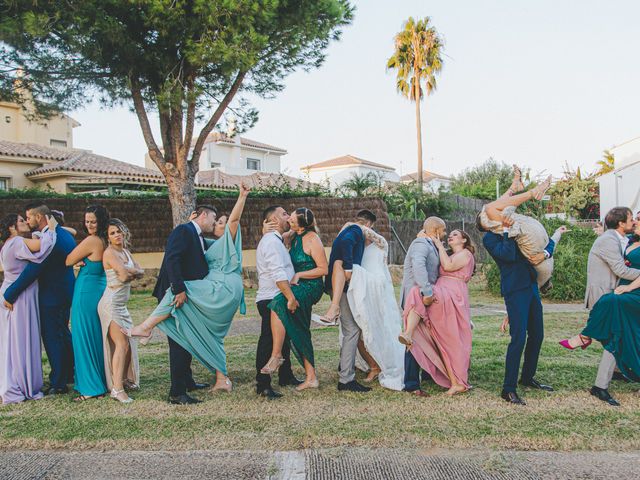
column 289, row 381
column 512, row 397
column 353, row 386
column 533, row 383
column 619, row 376
column 603, row 394
column 198, row 386
column 270, row 394
column 183, row 400
column 56, row 391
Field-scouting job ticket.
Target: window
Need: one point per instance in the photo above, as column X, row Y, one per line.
column 214, row 164
column 57, row 143
column 5, row 183
column 253, row 164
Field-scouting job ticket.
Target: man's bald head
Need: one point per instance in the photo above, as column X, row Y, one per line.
column 435, row 226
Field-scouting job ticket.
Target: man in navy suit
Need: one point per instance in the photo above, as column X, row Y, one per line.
column 347, row 250
column 521, row 297
column 184, row 260
column 56, row 282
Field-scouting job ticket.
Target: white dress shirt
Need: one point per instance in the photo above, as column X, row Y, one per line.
column 624, row 242
column 273, row 264
column 199, row 232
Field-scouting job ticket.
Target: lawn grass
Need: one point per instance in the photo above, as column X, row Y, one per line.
column 569, row 419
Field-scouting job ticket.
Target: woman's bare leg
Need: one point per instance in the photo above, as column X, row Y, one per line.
column 311, row 380
column 222, row 382
column 279, row 333
column 338, row 280
column 118, row 360
column 413, row 319
column 146, row 327
column 374, row 368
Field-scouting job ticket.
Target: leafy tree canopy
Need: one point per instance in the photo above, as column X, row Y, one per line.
column 480, row 181
column 184, row 59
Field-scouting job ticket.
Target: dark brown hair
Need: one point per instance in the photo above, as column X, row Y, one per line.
column 469, row 244
column 102, row 217
column 617, row 215
column 7, row 222
column 306, row 219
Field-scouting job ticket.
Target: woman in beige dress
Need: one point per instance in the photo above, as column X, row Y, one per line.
column 121, row 353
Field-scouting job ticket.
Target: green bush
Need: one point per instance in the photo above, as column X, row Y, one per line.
column 570, row 267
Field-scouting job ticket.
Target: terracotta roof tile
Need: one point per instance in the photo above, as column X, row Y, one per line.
column 31, row 150
column 426, row 176
column 218, row 179
column 87, row 162
column 346, row 161
column 222, row 138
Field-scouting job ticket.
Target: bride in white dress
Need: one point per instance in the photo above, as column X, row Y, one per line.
column 373, row 302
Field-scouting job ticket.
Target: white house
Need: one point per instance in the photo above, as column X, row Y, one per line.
column 621, row 187
column 236, row 156
column 432, row 182
column 338, row 170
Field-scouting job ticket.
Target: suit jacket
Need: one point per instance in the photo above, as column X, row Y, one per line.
column 605, row 267
column 55, row 279
column 421, row 268
column 183, row 260
column 516, row 273
column 348, row 247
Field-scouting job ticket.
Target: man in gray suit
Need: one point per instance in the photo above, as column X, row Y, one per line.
column 421, row 267
column 604, row 268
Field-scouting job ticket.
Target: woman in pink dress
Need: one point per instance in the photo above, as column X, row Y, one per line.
column 20, row 354
column 439, row 336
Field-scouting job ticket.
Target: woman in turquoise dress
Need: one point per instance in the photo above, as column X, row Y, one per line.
column 615, row 320
column 85, row 323
column 291, row 314
column 203, row 321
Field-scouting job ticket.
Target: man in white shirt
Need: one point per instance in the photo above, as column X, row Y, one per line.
column 275, row 270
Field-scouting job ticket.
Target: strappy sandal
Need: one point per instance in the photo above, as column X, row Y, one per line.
column 84, row 398
column 115, row 393
column 227, row 388
column 539, row 191
column 272, row 365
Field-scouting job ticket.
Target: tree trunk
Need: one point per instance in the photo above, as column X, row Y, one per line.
column 416, row 85
column 182, row 196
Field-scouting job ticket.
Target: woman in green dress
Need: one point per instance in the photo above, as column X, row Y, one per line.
column 615, row 320
column 88, row 353
column 292, row 316
column 201, row 324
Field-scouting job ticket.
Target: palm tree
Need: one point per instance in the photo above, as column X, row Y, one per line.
column 607, row 164
column 418, row 59
column 360, row 184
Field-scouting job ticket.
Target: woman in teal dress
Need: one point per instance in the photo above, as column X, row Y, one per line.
column 615, row 320
column 88, row 353
column 203, row 321
column 291, row 313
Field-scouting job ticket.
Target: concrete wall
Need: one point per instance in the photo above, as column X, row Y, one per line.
column 15, row 172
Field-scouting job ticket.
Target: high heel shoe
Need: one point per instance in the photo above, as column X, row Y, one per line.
column 272, row 365
column 373, row 374
column 143, row 340
column 331, row 320
column 566, row 343
column 115, row 393
column 305, row 385
column 228, row 386
column 405, row 339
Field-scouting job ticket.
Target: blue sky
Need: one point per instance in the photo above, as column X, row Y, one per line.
column 537, row 83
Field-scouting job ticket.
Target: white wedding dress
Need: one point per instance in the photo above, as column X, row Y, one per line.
column 373, row 303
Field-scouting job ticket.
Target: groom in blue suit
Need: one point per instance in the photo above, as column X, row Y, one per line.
column 56, row 282
column 184, row 260
column 519, row 289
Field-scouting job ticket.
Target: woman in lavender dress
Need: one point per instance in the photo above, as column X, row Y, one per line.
column 20, row 354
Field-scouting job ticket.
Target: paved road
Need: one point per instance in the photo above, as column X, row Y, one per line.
column 336, row 464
